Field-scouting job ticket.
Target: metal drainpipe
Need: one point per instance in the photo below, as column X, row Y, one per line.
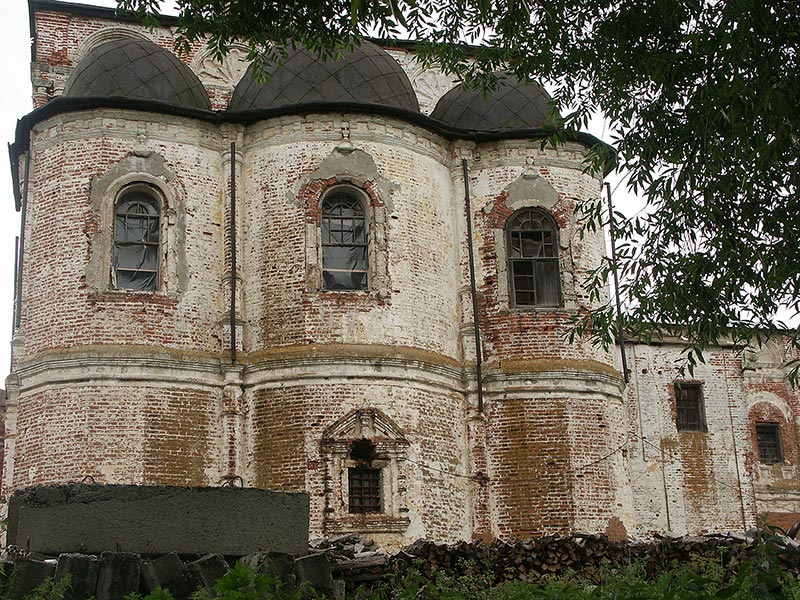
column 21, row 249
column 733, row 437
column 233, row 253
column 620, row 335
column 16, row 282
column 478, row 354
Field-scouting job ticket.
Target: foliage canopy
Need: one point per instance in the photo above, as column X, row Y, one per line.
column 701, row 99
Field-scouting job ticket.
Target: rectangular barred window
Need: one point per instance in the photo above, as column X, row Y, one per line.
column 690, row 407
column 364, row 490
column 769, row 443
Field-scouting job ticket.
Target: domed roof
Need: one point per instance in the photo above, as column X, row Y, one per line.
column 364, row 75
column 133, row 68
column 514, row 105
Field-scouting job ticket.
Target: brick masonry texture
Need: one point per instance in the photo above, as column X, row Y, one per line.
column 139, row 387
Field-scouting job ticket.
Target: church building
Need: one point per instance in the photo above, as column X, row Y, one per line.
column 355, row 279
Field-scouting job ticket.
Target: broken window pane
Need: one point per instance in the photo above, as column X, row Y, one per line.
column 136, row 241
column 344, row 244
column 533, row 259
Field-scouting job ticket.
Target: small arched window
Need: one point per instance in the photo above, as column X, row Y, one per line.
column 136, row 240
column 344, row 243
column 533, row 259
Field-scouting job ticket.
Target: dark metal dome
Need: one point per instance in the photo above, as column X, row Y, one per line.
column 133, row 68
column 514, row 105
column 365, row 75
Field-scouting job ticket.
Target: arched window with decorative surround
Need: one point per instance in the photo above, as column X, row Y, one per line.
column 534, row 274
column 137, row 233
column 344, row 242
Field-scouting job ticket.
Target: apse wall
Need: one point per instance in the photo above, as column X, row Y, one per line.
column 555, row 419
column 319, row 355
column 111, row 379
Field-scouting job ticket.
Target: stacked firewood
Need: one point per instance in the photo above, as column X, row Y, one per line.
column 360, row 561
column 353, row 559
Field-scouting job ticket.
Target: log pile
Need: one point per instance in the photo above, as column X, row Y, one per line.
column 360, row 562
column 356, row 561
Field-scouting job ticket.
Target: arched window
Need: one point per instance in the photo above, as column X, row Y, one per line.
column 344, row 243
column 533, row 259
column 136, row 240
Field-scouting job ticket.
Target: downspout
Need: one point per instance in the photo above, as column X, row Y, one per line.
column 620, row 335
column 21, row 249
column 478, row 355
column 233, row 253
column 733, row 439
column 16, row 283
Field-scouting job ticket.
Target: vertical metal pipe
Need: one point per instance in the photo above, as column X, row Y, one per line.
column 233, row 252
column 16, row 283
column 21, row 253
column 478, row 354
column 664, row 487
column 735, row 448
column 620, row 334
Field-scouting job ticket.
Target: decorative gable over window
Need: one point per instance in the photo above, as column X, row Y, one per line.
column 363, row 453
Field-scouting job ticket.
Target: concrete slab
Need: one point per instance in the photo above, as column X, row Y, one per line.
column 119, row 575
column 82, row 570
column 316, row 570
column 158, row 520
column 275, row 564
column 28, row 575
column 168, row 573
column 204, row 572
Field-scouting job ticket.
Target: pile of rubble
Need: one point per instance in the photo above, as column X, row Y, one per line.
column 354, row 560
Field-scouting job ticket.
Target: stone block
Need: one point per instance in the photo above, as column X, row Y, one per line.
column 118, row 576
column 275, row 564
column 316, row 570
column 168, row 573
column 204, row 572
column 158, row 519
column 28, row 575
column 82, row 570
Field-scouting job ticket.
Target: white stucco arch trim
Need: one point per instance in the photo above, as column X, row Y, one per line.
column 107, row 35
column 151, row 172
column 772, row 400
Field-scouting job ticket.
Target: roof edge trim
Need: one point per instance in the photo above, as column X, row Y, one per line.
column 89, row 10
column 63, row 105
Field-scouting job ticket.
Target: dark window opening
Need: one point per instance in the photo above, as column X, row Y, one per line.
column 136, row 241
column 533, row 259
column 768, row 436
column 690, row 408
column 344, row 244
column 362, row 450
column 364, row 490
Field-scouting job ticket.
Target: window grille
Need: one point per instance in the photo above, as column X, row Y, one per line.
column 690, row 407
column 344, row 243
column 136, row 241
column 768, row 436
column 364, row 490
column 533, row 259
